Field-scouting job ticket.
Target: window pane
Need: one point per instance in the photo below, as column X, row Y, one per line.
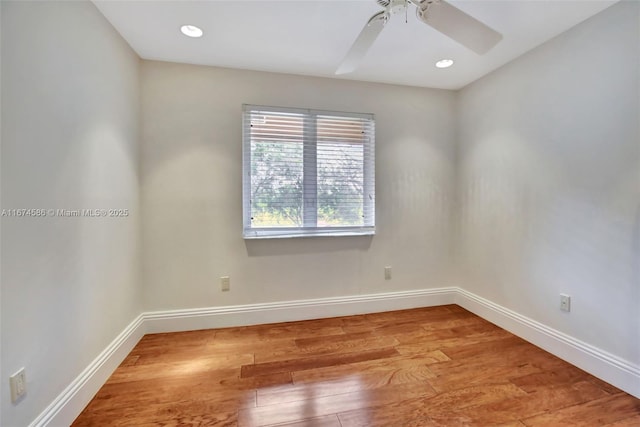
column 276, row 171
column 340, row 189
column 340, row 171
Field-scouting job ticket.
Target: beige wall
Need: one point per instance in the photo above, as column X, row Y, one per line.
column 69, row 140
column 192, row 191
column 549, row 182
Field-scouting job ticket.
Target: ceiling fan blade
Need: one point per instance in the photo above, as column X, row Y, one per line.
column 362, row 44
column 458, row 25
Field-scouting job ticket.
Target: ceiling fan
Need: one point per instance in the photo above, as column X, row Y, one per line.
column 442, row 16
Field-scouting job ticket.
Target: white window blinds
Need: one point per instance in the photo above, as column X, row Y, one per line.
column 307, row 172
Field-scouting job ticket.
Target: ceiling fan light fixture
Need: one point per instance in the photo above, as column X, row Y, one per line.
column 444, row 63
column 191, row 31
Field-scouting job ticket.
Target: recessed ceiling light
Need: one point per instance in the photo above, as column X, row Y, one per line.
column 191, row 31
column 444, row 63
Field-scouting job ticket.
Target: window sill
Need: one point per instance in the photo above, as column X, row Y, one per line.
column 294, row 233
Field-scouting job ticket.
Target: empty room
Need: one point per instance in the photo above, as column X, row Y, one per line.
column 320, row 213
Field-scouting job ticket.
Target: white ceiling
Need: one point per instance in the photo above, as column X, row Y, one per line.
column 311, row 37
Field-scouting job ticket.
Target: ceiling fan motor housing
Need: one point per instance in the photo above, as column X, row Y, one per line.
column 397, row 6
column 393, row 6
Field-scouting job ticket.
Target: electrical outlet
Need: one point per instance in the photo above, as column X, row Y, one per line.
column 387, row 273
column 225, row 283
column 565, row 302
column 18, row 384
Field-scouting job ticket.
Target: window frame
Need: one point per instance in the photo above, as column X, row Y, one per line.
column 309, row 170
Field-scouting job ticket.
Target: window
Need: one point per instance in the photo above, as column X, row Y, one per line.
column 307, row 172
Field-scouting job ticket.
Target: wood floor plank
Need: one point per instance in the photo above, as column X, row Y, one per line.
column 400, row 368
column 454, row 375
column 153, row 346
column 297, row 392
column 326, row 421
column 412, row 343
column 447, row 322
column 364, row 418
column 329, row 346
column 627, row 422
column 597, row 381
column 304, row 329
column 513, row 409
column 176, row 367
column 328, row 383
column 258, row 382
column 130, row 360
column 416, row 315
column 222, row 386
column 302, row 364
column 300, row 409
column 359, row 323
column 405, row 328
column 496, row 366
column 476, row 350
column 412, row 323
column 600, row 412
column 565, row 375
column 322, row 340
column 419, row 410
column 259, row 348
column 199, row 337
column 438, row 366
column 179, row 413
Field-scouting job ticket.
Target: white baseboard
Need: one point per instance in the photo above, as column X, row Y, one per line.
column 73, row 399
column 253, row 314
column 68, row 405
column 606, row 366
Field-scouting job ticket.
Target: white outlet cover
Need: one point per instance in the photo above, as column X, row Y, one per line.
column 225, row 283
column 18, row 385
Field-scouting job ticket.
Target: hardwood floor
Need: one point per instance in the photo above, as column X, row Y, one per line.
column 438, row 366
